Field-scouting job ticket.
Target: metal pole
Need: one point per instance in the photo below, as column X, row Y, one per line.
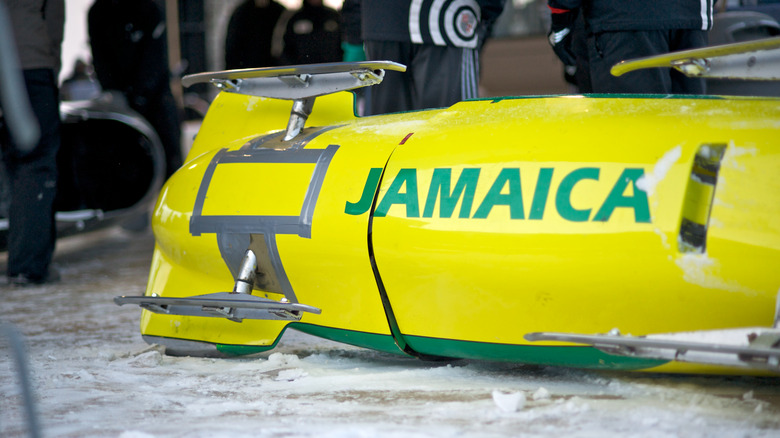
column 18, row 350
column 174, row 48
column 17, row 111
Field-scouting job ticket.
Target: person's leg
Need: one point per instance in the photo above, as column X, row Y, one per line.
column 164, row 118
column 686, row 40
column 394, row 94
column 444, row 75
column 609, row 48
column 33, row 179
column 469, row 74
column 580, row 48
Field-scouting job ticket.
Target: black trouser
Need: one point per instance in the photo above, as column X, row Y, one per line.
column 161, row 112
column 435, row 77
column 33, row 182
column 608, row 48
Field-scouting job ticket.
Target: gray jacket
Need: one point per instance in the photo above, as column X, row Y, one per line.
column 38, row 29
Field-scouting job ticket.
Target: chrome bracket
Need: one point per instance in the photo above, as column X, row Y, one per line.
column 299, row 83
column 692, row 67
column 245, row 281
column 301, row 110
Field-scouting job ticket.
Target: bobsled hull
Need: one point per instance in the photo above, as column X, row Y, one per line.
column 457, row 232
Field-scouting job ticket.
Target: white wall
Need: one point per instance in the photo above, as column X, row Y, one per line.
column 75, row 44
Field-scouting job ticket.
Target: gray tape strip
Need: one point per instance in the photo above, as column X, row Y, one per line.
column 317, row 178
column 197, row 209
column 268, row 225
column 245, row 224
column 254, row 156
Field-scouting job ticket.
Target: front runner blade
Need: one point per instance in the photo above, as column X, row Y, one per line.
column 233, row 306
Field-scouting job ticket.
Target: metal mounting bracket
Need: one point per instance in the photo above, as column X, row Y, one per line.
column 300, row 83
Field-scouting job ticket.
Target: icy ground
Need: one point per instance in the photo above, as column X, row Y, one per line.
column 93, row 376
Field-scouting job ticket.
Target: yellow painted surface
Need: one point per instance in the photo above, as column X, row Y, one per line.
column 276, row 189
column 330, row 270
column 493, row 279
column 234, row 119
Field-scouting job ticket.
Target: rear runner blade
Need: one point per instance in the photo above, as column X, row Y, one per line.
column 746, row 347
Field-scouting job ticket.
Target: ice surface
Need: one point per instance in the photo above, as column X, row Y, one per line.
column 93, row 376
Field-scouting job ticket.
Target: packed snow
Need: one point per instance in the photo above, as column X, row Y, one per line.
column 93, row 376
column 649, row 181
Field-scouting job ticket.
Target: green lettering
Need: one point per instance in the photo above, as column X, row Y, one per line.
column 505, row 190
column 367, row 198
column 409, row 198
column 540, row 194
column 563, row 197
column 509, row 177
column 440, row 185
column 638, row 201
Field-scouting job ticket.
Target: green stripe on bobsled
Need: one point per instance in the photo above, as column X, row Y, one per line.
column 373, row 341
column 567, row 356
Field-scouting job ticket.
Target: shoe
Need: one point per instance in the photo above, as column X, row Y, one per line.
column 22, row 280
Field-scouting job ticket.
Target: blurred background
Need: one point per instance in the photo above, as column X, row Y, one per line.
column 517, row 60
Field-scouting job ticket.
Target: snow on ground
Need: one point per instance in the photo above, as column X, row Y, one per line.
column 93, row 376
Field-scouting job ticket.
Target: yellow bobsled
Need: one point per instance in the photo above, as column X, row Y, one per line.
column 616, row 232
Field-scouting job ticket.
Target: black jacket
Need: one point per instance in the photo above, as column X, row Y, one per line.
column 250, row 36
column 129, row 49
column 313, row 35
column 618, row 15
column 457, row 23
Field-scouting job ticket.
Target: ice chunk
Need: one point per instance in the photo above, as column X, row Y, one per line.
column 509, row 402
